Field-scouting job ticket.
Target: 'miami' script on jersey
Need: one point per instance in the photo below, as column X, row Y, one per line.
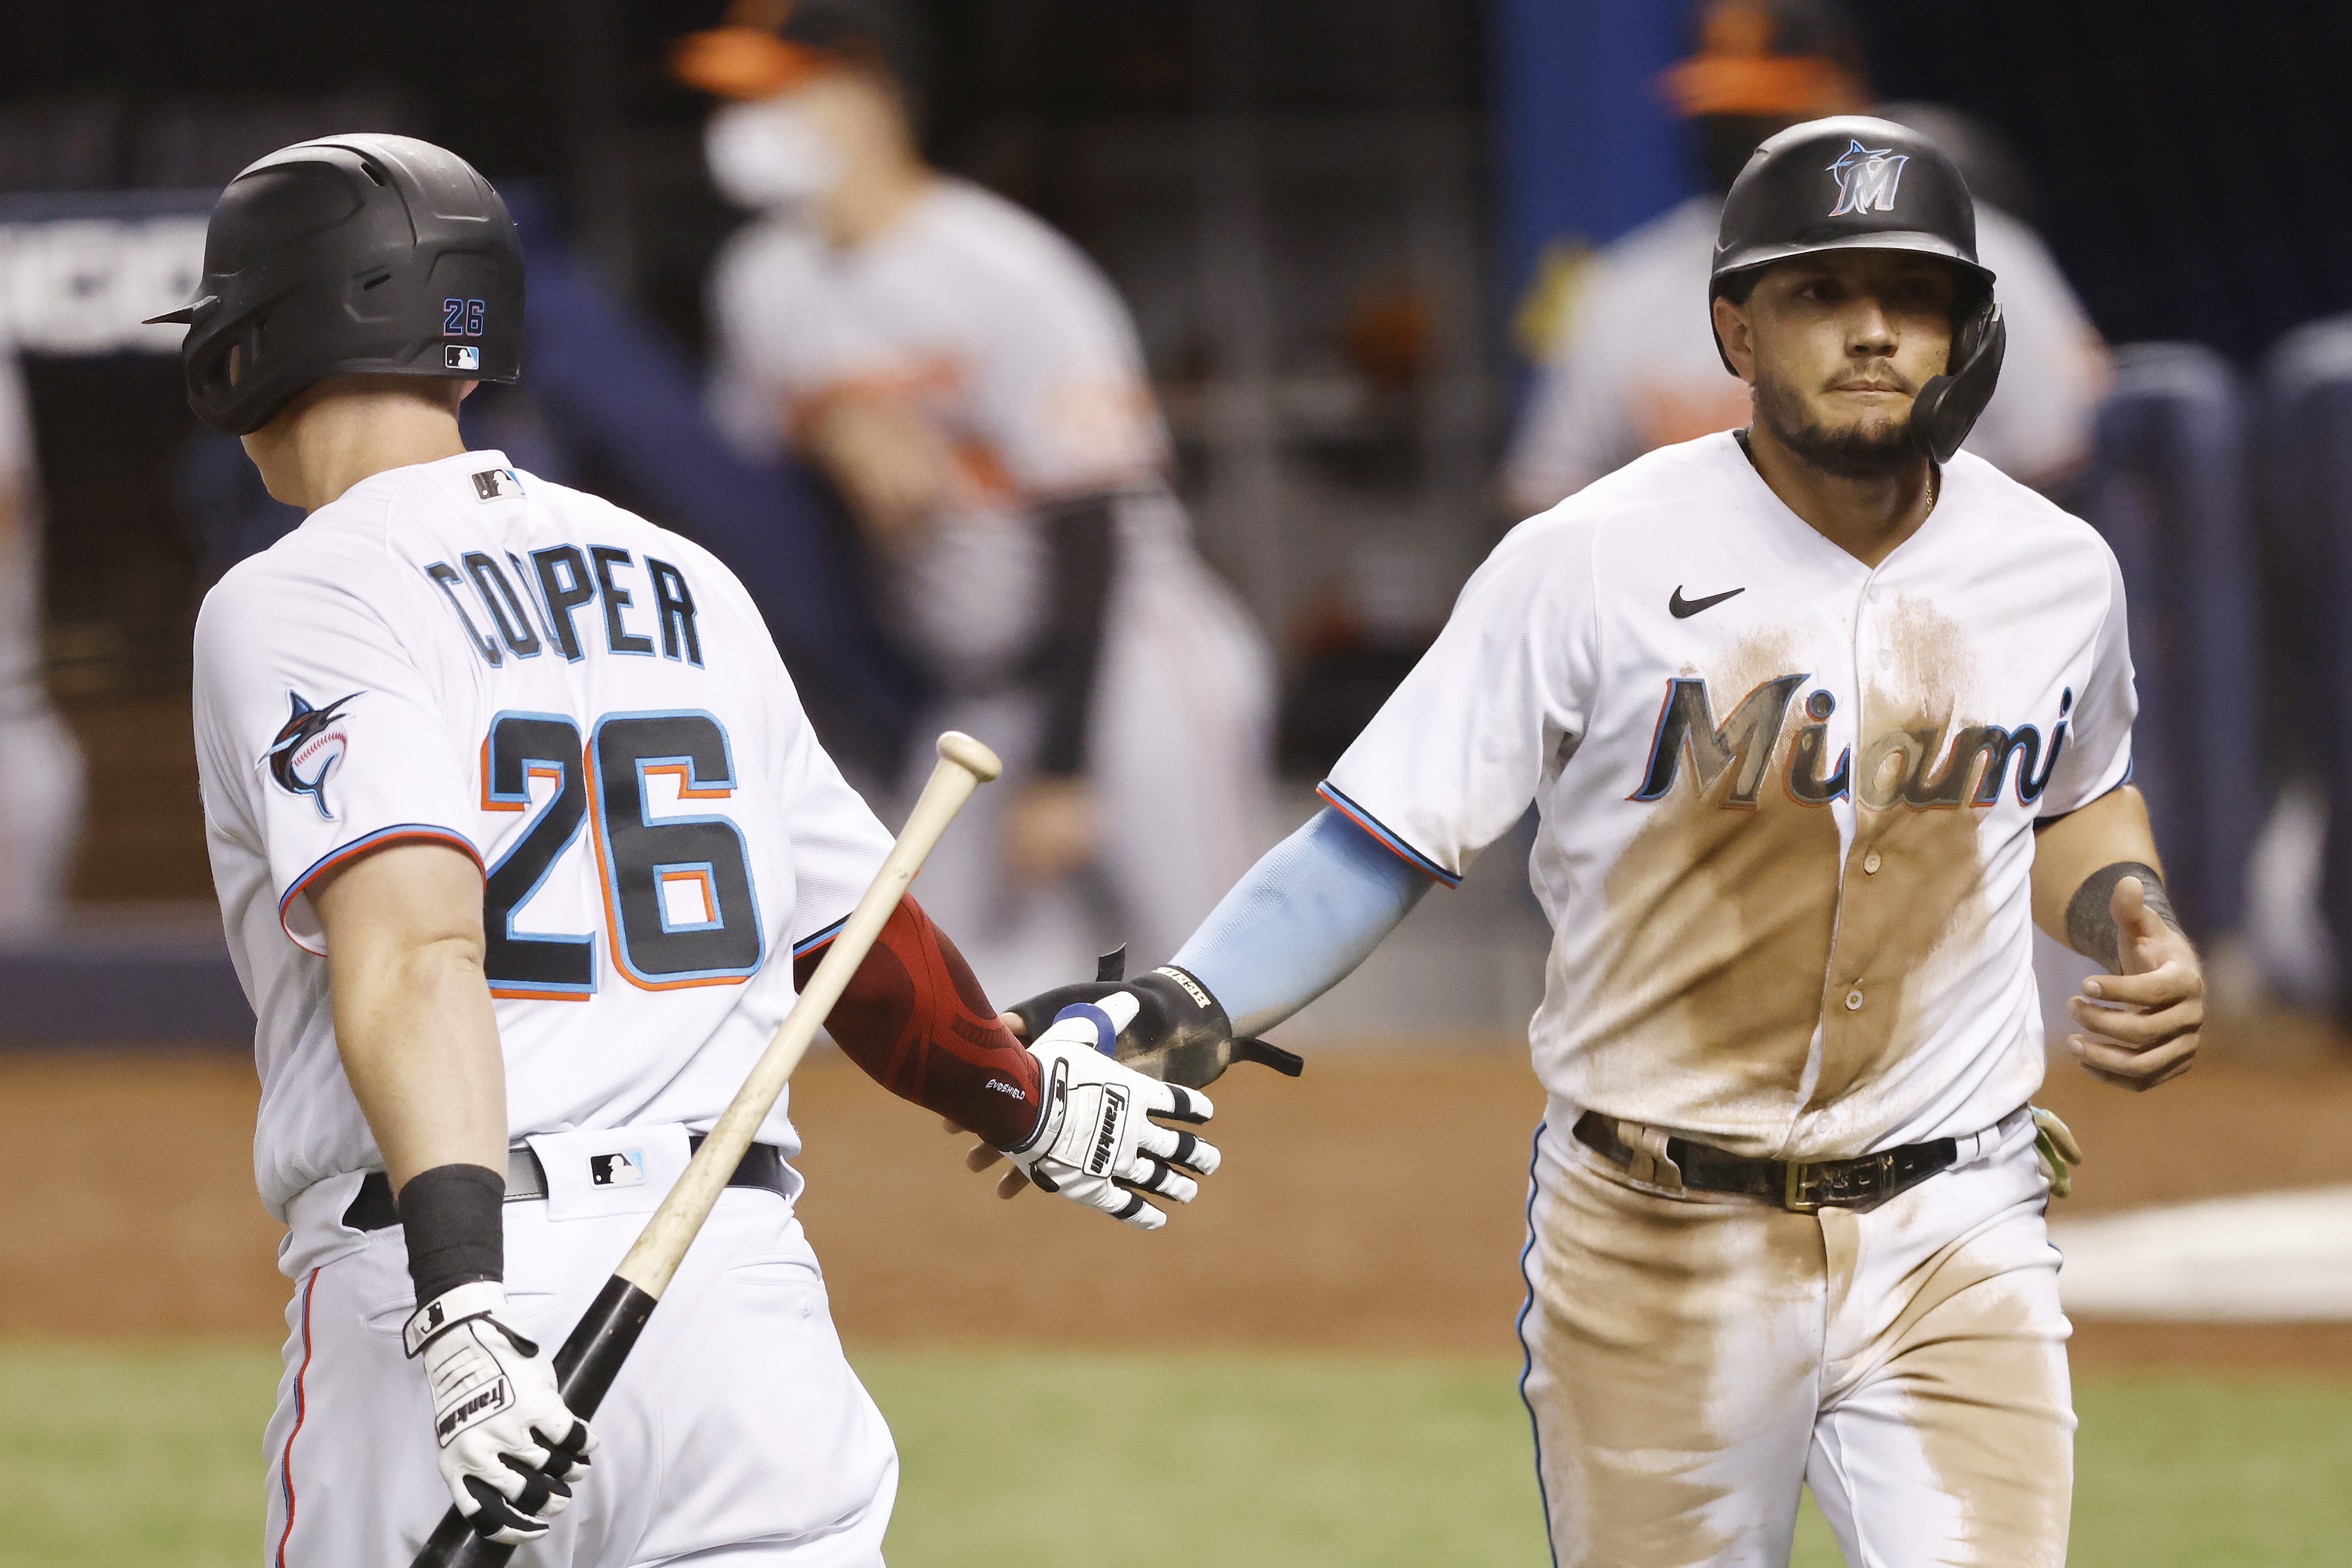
column 586, row 705
column 1787, row 799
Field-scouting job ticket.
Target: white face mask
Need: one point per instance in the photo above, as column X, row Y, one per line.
column 770, row 154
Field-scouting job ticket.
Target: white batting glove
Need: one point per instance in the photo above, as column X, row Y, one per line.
column 1094, row 1145
column 508, row 1446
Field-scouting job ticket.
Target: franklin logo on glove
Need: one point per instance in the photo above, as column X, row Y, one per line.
column 1114, row 1114
column 494, row 1397
column 1096, row 1144
column 509, row 1449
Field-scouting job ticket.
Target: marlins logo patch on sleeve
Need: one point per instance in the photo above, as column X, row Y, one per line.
column 307, row 749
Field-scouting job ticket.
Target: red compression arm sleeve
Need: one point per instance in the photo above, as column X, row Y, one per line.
column 915, row 1019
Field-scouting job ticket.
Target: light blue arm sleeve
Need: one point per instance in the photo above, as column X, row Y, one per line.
column 1313, row 908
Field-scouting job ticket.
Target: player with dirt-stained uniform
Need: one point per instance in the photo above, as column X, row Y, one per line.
column 1818, row 719
column 523, row 845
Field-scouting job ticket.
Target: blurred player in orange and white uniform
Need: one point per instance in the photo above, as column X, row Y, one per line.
column 37, row 754
column 1634, row 367
column 973, row 387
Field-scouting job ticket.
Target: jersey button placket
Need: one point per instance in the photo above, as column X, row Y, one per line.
column 1865, row 628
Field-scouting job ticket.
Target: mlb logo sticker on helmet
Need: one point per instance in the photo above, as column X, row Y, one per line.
column 458, row 358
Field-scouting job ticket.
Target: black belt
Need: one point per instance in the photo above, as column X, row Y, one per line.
column 374, row 1208
column 1798, row 1185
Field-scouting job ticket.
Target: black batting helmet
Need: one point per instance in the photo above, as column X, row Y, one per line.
column 1852, row 182
column 361, row 255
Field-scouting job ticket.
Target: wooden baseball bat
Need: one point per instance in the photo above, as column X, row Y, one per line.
column 585, row 1366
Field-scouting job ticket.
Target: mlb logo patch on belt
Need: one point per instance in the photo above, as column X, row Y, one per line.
column 596, row 1172
column 623, row 1168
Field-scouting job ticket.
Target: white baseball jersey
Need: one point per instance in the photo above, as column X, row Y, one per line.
column 1787, row 800
column 38, row 753
column 983, row 322
column 1637, row 367
column 587, row 704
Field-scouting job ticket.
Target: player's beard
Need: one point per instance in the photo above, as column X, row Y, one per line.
column 1878, row 446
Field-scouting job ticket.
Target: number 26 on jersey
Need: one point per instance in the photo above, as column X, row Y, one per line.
column 677, row 890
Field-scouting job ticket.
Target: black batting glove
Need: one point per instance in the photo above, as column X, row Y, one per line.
column 1180, row 1033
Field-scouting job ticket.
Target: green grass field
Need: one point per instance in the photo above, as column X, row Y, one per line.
column 112, row 1459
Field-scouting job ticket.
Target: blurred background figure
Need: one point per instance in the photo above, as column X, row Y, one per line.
column 1630, row 367
column 973, row 388
column 40, row 809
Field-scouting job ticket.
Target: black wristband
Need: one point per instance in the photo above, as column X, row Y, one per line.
column 453, row 1215
column 1081, row 536
column 2090, row 922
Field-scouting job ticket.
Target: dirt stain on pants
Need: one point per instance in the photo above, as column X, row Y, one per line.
column 1694, row 1361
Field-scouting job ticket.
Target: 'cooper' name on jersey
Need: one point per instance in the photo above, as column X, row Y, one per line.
column 590, row 708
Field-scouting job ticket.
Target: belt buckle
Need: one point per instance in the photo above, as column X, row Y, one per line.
column 1845, row 1181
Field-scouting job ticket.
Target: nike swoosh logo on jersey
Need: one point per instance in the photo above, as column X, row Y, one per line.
column 1684, row 609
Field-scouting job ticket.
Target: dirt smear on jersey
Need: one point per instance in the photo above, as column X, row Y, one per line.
column 1721, row 920
column 1735, row 936
column 1905, row 924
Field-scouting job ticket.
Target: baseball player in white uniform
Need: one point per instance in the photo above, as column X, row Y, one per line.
column 972, row 385
column 1818, row 718
column 521, row 837
column 1632, row 370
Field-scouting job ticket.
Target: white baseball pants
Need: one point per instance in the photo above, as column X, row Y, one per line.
column 1692, row 1361
column 736, row 1433
column 43, row 820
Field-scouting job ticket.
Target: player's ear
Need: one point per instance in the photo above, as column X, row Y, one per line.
column 1737, row 334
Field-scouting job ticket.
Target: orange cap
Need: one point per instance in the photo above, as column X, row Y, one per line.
column 745, row 58
column 1737, row 71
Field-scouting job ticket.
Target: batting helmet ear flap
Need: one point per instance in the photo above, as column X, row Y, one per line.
column 1946, row 408
column 1738, row 287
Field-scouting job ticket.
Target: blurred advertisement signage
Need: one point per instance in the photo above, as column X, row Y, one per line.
column 79, row 273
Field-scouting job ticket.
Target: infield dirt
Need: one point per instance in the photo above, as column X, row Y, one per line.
column 1374, row 1206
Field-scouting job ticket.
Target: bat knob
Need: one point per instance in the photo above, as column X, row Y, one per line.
column 970, row 755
